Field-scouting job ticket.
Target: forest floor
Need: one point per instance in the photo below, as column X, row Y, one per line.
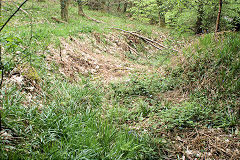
column 91, row 56
column 83, row 90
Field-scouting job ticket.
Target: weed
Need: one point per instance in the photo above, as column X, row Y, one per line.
column 69, row 127
column 211, row 73
column 183, row 116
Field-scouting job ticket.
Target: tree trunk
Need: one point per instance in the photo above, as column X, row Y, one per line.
column 125, row 7
column 1, row 103
column 161, row 15
column 198, row 27
column 64, row 9
column 80, row 9
column 108, row 6
column 81, row 13
column 94, row 4
column 161, row 20
column 103, row 5
column 219, row 15
column 119, row 6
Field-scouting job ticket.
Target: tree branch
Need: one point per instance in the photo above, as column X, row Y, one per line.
column 13, row 15
column 149, row 41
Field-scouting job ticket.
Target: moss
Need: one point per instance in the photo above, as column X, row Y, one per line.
column 29, row 72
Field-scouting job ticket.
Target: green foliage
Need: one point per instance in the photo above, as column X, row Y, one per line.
column 145, row 10
column 186, row 21
column 69, row 127
column 183, row 15
column 211, row 71
column 184, row 116
column 220, row 59
column 84, row 120
column 142, row 85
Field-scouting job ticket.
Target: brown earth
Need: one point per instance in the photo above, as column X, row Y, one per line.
column 91, row 56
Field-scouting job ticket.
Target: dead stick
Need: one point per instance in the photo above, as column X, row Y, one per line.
column 22, row 10
column 145, row 38
column 153, row 45
column 58, row 20
column 130, row 48
column 90, row 18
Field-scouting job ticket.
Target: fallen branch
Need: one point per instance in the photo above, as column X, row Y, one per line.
column 22, row 10
column 144, row 38
column 121, row 69
column 134, row 50
column 153, row 45
column 92, row 19
column 58, row 20
column 149, row 41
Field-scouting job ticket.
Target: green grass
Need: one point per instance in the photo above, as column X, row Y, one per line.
column 68, row 126
column 211, row 75
column 65, row 121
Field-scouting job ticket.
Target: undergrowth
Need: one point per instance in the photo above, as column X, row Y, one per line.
column 63, row 119
column 210, row 73
column 68, row 126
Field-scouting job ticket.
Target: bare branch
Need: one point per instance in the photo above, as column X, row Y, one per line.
column 12, row 15
column 149, row 41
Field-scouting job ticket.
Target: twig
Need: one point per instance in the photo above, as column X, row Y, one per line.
column 90, row 18
column 115, row 69
column 220, row 149
column 153, row 45
column 60, row 51
column 22, row 10
column 58, row 20
column 130, row 48
column 2, row 70
column 12, row 15
column 31, row 35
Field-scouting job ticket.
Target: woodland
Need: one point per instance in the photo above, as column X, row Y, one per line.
column 120, row 79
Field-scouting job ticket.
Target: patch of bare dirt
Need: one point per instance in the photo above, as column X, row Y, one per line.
column 92, row 56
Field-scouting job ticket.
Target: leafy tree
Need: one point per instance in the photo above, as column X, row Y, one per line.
column 197, row 16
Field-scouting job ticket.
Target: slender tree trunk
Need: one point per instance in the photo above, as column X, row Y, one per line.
column 161, row 20
column 219, row 15
column 103, row 5
column 64, row 9
column 125, row 7
column 1, row 103
column 161, row 16
column 80, row 9
column 108, row 6
column 119, row 6
column 81, row 13
column 198, row 27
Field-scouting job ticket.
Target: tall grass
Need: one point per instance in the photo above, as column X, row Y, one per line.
column 210, row 73
column 69, row 126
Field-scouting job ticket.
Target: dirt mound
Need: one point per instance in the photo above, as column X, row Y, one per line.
column 90, row 56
